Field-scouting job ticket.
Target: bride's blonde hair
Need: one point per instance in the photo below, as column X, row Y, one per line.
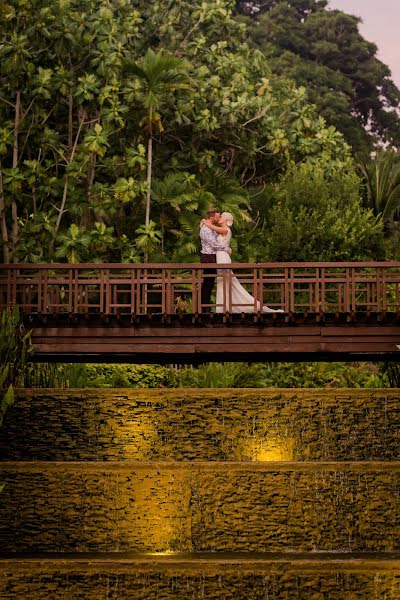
column 229, row 218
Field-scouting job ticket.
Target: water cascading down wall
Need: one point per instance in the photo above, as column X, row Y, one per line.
column 186, row 494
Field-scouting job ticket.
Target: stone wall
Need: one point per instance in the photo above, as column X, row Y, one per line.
column 256, row 487
column 158, row 507
column 215, row 425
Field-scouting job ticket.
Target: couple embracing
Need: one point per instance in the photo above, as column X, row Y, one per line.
column 215, row 236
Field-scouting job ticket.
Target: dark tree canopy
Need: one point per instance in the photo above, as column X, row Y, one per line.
column 255, row 7
column 323, row 50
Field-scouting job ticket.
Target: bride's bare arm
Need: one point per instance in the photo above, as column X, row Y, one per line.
column 223, row 230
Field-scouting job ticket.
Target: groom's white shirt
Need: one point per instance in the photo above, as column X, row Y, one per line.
column 209, row 244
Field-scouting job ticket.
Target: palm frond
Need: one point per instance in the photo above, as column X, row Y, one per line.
column 381, row 179
column 132, row 68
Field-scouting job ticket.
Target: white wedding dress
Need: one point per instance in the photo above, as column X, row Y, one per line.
column 228, row 284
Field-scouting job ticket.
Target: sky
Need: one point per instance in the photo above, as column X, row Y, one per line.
column 381, row 24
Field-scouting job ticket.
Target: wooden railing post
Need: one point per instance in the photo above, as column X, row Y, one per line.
column 323, row 300
column 379, row 288
column 133, row 294
column 168, row 296
column 198, row 292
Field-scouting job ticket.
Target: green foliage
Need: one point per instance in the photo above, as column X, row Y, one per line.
column 5, row 403
column 213, row 375
column 158, row 73
column 223, row 375
column 392, row 243
column 15, row 349
column 148, row 238
column 391, row 374
column 283, row 375
column 69, row 375
column 381, row 178
column 73, row 244
column 53, row 375
column 316, row 217
column 323, row 50
column 130, row 376
column 116, row 104
column 324, row 375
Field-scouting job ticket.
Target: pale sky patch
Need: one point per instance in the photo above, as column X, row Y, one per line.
column 381, row 24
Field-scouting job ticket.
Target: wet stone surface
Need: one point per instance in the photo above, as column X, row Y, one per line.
column 214, row 583
column 215, row 425
column 243, row 507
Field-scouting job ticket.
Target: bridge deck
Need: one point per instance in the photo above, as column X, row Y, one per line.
column 193, row 339
column 153, row 313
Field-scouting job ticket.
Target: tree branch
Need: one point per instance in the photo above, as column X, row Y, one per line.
column 66, row 181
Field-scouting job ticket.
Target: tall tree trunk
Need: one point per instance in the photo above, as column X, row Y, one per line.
column 88, row 215
column 149, row 175
column 3, row 222
column 70, row 123
column 34, row 200
column 14, row 208
column 149, row 172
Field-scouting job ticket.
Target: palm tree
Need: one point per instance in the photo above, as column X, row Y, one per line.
column 176, row 196
column 381, row 177
column 159, row 73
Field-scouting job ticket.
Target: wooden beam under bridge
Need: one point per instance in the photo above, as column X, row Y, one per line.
column 192, row 339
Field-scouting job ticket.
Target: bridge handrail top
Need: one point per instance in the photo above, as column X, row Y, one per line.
column 197, row 266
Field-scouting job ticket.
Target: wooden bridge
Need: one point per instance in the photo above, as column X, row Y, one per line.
column 153, row 312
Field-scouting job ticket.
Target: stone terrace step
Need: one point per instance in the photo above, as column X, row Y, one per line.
column 176, row 424
column 218, row 577
column 163, row 506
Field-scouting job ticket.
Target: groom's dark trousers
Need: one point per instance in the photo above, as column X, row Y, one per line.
column 208, row 280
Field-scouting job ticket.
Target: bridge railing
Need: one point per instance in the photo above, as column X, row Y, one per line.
column 169, row 288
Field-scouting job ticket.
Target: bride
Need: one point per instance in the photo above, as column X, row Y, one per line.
column 241, row 301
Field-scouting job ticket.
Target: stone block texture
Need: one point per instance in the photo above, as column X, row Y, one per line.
column 205, row 425
column 159, row 507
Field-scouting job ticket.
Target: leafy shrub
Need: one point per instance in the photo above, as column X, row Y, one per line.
column 223, row 375
column 324, row 375
column 211, row 375
column 50, row 375
column 15, row 349
column 130, row 376
column 321, row 218
column 283, row 375
column 69, row 375
column 391, row 373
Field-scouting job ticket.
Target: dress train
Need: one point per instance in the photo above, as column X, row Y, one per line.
column 241, row 300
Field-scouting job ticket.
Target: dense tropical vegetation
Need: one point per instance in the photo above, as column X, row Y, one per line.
column 121, row 121
column 213, row 375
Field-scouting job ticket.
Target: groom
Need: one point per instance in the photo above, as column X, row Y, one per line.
column 209, row 249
